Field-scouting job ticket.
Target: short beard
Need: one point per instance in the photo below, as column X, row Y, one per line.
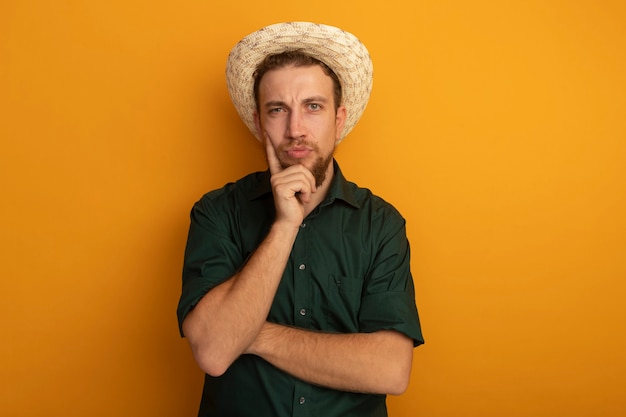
column 319, row 168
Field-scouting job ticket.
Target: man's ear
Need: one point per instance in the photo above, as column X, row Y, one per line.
column 340, row 121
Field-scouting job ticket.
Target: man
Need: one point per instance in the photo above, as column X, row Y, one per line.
column 297, row 293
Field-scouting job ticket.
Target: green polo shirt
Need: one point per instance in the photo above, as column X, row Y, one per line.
column 348, row 272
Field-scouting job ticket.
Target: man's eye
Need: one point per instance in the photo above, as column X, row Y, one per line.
column 314, row 106
column 276, row 110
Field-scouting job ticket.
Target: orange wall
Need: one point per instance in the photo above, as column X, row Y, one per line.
column 498, row 128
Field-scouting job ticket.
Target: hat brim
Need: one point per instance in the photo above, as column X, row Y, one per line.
column 338, row 49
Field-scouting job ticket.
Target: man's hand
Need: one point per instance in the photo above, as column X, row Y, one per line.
column 292, row 187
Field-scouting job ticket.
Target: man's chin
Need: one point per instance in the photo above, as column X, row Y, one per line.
column 318, row 167
column 286, row 163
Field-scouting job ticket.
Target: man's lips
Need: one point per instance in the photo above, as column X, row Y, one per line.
column 298, row 152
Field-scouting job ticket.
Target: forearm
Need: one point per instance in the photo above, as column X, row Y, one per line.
column 377, row 362
column 229, row 317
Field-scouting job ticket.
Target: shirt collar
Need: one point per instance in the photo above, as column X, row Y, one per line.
column 340, row 188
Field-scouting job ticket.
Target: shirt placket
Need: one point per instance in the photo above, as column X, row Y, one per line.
column 302, row 310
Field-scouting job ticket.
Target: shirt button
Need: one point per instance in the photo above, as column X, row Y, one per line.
column 302, row 267
column 303, row 311
column 303, row 225
column 302, row 400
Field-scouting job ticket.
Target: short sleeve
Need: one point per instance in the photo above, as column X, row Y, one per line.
column 388, row 301
column 211, row 256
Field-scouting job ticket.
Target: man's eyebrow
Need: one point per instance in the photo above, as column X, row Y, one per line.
column 320, row 99
column 280, row 103
column 275, row 103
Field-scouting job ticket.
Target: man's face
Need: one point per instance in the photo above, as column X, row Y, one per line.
column 297, row 115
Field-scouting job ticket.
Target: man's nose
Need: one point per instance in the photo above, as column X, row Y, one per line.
column 295, row 127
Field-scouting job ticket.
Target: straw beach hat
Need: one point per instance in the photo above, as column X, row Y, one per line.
column 338, row 49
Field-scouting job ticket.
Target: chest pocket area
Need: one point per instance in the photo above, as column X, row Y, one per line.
column 342, row 303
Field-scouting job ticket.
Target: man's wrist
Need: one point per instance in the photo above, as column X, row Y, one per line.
column 286, row 226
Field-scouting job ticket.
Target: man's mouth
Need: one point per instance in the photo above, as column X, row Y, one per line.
column 298, row 152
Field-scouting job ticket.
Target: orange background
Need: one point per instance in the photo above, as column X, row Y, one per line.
column 498, row 128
